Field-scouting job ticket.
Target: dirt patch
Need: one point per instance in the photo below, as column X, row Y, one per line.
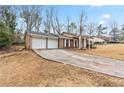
column 12, row 48
column 25, row 68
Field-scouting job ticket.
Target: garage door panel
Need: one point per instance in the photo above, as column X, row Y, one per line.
column 38, row 43
column 52, row 43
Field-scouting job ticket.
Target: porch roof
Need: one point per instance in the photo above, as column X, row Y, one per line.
column 68, row 35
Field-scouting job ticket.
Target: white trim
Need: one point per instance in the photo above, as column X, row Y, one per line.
column 77, row 43
column 74, row 42
column 64, row 42
column 84, row 43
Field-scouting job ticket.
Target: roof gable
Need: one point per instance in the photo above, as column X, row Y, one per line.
column 39, row 34
column 66, row 34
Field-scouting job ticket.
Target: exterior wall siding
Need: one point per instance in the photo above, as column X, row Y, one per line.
column 61, row 43
column 27, row 41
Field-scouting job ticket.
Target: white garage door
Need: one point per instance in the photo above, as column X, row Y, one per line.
column 38, row 43
column 52, row 43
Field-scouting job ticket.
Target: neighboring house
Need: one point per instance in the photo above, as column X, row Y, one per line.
column 122, row 41
column 39, row 40
column 106, row 38
column 97, row 40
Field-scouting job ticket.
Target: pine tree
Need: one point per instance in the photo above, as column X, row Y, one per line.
column 7, row 27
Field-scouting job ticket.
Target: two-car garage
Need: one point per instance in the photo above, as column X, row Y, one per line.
column 38, row 43
column 41, row 41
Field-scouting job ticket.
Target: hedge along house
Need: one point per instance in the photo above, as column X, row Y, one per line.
column 39, row 40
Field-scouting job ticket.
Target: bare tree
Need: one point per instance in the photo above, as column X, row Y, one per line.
column 47, row 22
column 58, row 25
column 122, row 32
column 82, row 19
column 114, row 31
column 72, row 26
column 38, row 18
column 68, row 23
column 100, row 29
column 32, row 17
column 53, row 21
column 91, row 29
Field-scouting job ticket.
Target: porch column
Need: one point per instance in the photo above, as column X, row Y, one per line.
column 68, row 42
column 64, row 42
column 89, row 43
column 74, row 43
column 84, row 45
column 92, row 43
column 77, row 43
column 80, row 42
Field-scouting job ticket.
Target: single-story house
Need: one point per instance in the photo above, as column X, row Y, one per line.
column 97, row 40
column 107, row 38
column 39, row 40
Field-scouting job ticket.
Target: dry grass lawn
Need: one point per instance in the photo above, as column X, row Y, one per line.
column 25, row 68
column 115, row 51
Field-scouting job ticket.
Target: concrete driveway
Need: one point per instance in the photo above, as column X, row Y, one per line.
column 96, row 63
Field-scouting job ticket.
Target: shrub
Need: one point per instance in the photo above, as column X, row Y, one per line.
column 5, row 38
